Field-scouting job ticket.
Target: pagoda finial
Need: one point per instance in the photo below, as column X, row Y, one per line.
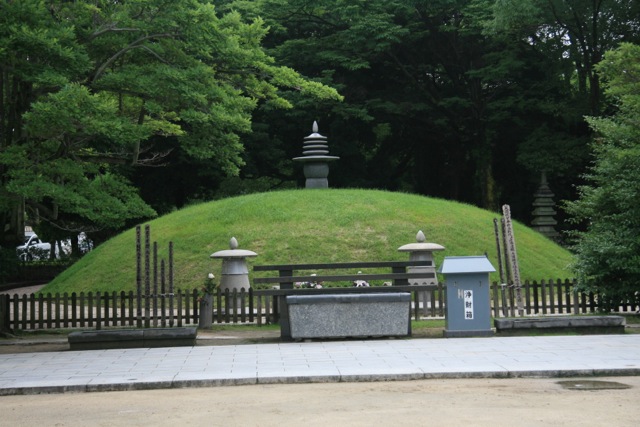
column 233, row 243
column 314, row 128
column 543, row 178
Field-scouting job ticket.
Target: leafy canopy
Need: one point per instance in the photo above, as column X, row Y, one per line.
column 608, row 252
column 92, row 88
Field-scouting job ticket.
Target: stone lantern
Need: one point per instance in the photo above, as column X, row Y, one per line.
column 423, row 251
column 315, row 157
column 235, row 273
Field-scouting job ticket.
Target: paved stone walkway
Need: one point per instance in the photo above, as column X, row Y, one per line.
column 319, row 361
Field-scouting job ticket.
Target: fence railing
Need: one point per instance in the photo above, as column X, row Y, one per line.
column 128, row 309
column 260, row 306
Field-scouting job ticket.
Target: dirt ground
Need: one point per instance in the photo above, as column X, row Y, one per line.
column 477, row 402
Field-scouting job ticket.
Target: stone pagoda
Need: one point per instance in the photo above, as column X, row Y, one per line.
column 315, row 157
column 544, row 212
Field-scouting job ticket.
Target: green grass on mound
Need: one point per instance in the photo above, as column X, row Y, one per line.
column 310, row 226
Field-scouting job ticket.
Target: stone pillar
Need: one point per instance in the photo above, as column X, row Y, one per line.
column 316, row 159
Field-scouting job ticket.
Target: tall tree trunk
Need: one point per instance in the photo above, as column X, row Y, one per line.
column 13, row 224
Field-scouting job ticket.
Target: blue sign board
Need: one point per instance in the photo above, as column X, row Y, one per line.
column 468, row 308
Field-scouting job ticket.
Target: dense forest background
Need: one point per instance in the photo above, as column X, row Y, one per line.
column 192, row 100
column 467, row 100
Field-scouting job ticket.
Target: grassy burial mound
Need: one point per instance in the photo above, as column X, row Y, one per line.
column 310, row 226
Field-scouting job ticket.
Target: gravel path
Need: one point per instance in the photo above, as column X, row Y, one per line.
column 27, row 290
column 463, row 402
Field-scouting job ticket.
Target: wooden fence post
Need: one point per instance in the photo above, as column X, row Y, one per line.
column 74, row 308
column 536, row 298
column 259, row 309
column 131, row 311
column 251, row 305
column 163, row 296
column 138, row 278
column 495, row 298
column 123, row 308
column 90, row 310
column 4, row 314
column 98, row 311
column 147, row 272
column 154, row 301
column 510, row 243
column 41, row 311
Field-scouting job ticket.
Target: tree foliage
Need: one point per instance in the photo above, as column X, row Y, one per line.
column 575, row 33
column 467, row 100
column 91, row 89
column 608, row 252
column 434, row 102
column 463, row 99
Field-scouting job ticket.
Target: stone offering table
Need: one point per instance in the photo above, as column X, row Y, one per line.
column 349, row 315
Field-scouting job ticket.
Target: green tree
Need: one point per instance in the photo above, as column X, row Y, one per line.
column 575, row 33
column 608, row 252
column 92, row 89
column 462, row 99
column 568, row 37
column 434, row 103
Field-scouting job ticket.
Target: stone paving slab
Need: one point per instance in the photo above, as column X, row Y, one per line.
column 318, row 361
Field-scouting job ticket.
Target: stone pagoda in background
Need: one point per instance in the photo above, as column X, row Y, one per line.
column 544, row 212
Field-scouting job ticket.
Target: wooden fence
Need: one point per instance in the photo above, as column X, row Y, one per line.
column 551, row 298
column 128, row 309
column 99, row 310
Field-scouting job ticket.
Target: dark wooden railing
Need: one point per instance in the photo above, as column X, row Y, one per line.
column 259, row 306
